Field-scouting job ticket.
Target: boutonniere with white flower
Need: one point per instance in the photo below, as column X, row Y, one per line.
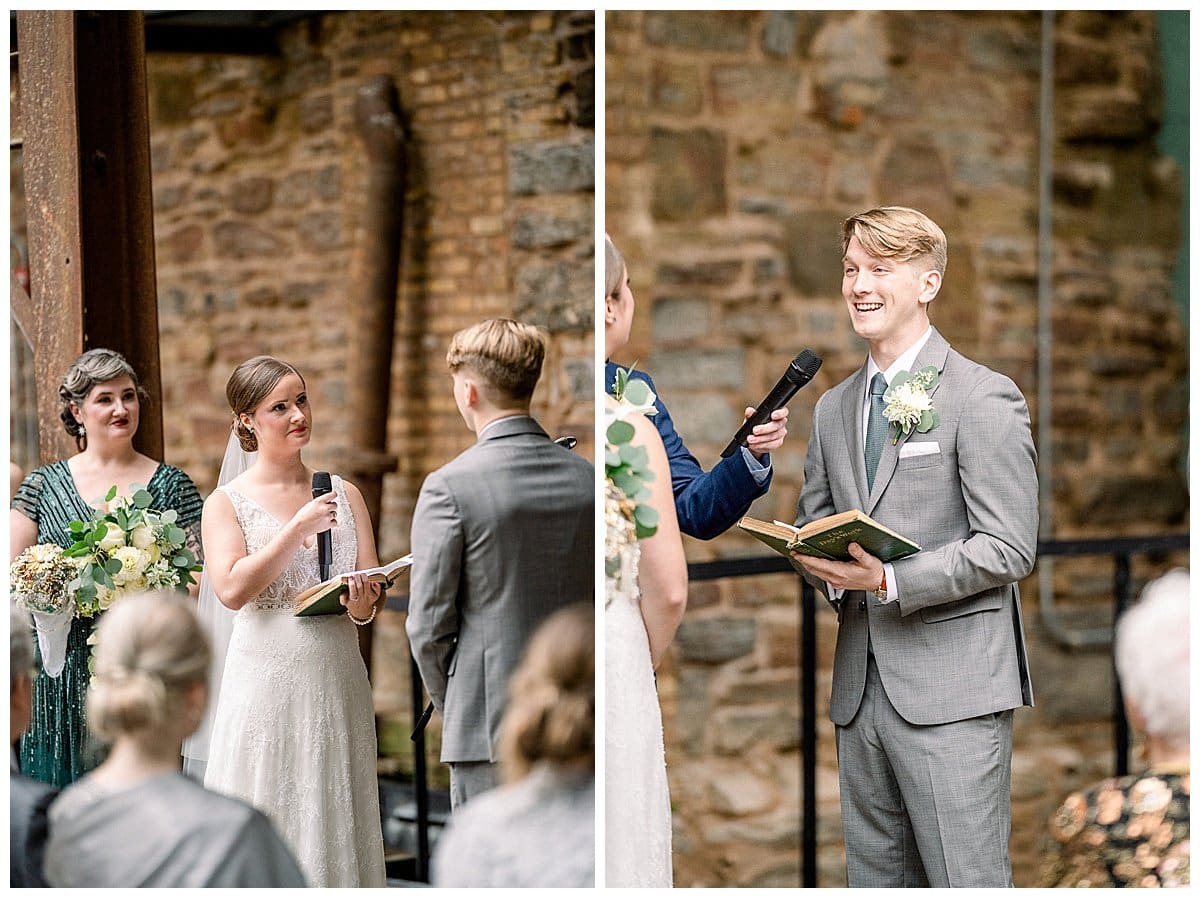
column 907, row 405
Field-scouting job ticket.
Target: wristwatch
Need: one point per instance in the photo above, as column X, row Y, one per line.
column 881, row 591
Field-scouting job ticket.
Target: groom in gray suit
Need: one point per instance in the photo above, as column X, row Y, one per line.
column 930, row 657
column 502, row 536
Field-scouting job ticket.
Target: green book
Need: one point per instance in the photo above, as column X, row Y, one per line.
column 829, row 537
column 326, row 598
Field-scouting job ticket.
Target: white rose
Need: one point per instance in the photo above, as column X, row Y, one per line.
column 114, row 538
column 133, row 563
column 104, row 598
column 142, row 536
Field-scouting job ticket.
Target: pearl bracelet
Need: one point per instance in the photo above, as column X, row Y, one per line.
column 363, row 623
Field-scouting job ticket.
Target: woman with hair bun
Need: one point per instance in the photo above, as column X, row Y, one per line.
column 537, row 830
column 100, row 402
column 293, row 732
column 136, row 821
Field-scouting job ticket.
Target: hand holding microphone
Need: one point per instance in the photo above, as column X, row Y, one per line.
column 801, row 370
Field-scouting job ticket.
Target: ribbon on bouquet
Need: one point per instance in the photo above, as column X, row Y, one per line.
column 53, row 629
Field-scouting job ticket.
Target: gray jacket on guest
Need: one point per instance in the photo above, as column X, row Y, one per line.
column 27, row 803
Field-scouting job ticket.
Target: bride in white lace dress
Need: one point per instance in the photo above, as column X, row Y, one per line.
column 645, row 596
column 293, row 730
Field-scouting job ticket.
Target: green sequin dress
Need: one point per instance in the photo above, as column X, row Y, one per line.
column 57, row 748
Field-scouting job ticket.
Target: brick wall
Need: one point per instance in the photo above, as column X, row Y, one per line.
column 736, row 144
column 259, row 180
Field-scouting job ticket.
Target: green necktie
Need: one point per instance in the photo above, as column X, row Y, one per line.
column 877, row 426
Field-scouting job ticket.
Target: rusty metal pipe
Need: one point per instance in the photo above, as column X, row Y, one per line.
column 375, row 270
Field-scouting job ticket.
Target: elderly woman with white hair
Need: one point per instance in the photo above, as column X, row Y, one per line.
column 1134, row 830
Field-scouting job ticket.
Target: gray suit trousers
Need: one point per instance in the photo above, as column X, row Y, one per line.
column 471, row 778
column 924, row 805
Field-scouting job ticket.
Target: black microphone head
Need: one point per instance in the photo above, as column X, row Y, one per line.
column 322, row 483
column 804, row 366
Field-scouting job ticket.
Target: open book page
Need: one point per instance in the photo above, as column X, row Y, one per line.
column 323, row 598
column 384, row 571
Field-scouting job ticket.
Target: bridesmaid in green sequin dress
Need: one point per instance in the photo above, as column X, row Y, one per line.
column 99, row 403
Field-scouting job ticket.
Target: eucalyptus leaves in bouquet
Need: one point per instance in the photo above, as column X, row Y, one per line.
column 129, row 548
column 626, row 467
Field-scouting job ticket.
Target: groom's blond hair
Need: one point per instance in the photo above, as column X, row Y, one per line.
column 897, row 232
column 506, row 354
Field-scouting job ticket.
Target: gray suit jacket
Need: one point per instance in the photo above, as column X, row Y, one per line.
column 501, row 537
column 952, row 646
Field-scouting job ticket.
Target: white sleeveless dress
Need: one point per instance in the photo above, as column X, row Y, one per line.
column 294, row 731
column 637, row 806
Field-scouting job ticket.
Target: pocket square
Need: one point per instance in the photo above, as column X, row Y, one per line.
column 910, row 450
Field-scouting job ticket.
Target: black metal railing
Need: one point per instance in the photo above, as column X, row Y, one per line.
column 1121, row 550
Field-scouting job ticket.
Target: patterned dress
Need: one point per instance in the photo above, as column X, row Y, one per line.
column 57, row 749
column 1131, row 831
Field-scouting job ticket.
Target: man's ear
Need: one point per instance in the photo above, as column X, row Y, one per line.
column 931, row 283
column 470, row 393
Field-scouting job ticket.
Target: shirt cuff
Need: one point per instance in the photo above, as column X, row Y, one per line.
column 892, row 592
column 759, row 470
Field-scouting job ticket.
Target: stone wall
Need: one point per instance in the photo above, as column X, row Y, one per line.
column 736, row 143
column 259, row 180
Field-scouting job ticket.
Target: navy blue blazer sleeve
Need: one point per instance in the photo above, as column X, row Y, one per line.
column 707, row 503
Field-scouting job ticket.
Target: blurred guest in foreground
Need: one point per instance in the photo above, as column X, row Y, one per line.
column 27, row 799
column 538, row 830
column 1134, row 830
column 136, row 820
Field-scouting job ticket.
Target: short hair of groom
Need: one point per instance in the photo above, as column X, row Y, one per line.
column 506, row 354
column 900, row 233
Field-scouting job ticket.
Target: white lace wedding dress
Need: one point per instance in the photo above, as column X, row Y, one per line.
column 637, row 807
column 294, row 732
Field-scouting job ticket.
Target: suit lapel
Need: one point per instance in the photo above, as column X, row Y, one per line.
column 934, row 353
column 852, row 405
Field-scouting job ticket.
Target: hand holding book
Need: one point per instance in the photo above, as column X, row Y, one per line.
column 829, row 537
column 326, row 598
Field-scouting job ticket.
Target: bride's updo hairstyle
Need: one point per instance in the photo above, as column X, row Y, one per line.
column 247, row 386
column 150, row 649
column 96, row 366
column 551, row 714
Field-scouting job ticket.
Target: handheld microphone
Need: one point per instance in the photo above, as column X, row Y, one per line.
column 322, row 485
column 798, row 373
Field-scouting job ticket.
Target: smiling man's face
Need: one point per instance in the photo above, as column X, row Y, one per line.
column 887, row 299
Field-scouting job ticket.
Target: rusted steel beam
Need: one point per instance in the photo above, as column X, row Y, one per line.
column 51, row 156
column 375, row 268
column 120, row 308
column 90, row 221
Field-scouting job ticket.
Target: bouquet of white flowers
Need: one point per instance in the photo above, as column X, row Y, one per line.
column 626, row 471
column 40, row 580
column 129, row 548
